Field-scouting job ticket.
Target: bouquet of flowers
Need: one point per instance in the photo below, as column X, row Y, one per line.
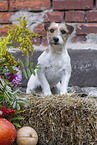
column 10, row 69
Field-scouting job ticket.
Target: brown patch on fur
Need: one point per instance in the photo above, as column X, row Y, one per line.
column 70, row 28
column 46, row 25
column 65, row 37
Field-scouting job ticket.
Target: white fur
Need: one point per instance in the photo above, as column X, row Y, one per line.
column 55, row 70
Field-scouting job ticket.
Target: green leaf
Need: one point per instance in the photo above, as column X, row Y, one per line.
column 25, row 74
column 38, row 68
column 17, row 118
column 28, row 72
column 11, row 102
column 21, row 102
column 18, row 106
column 18, row 111
column 38, row 64
column 6, row 96
column 12, row 70
column 21, row 63
column 32, row 70
column 14, row 104
column 27, row 62
column 21, row 73
column 31, row 64
column 16, row 124
column 5, row 71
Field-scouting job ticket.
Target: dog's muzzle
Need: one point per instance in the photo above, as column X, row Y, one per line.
column 56, row 40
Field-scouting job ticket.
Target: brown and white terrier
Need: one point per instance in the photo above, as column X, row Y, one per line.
column 55, row 62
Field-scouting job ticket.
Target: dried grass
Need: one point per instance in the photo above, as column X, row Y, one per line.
column 61, row 120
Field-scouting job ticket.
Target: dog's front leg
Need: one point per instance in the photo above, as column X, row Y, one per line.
column 44, row 83
column 64, row 82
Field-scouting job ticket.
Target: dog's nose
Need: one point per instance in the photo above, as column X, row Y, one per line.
column 56, row 39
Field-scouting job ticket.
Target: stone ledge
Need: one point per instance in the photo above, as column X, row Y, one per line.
column 84, row 67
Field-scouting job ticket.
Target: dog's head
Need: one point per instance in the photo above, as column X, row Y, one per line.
column 58, row 33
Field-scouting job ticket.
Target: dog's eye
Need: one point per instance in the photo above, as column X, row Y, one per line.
column 52, row 30
column 63, row 32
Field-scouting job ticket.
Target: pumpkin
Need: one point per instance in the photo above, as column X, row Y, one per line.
column 27, row 136
column 7, row 132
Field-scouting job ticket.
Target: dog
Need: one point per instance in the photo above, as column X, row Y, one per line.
column 54, row 62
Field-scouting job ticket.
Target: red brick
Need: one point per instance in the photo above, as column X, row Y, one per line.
column 92, row 16
column 3, row 31
column 44, row 41
column 35, row 41
column 4, row 17
column 35, row 5
column 86, row 29
column 54, row 16
column 75, row 16
column 40, row 30
column 3, row 5
column 72, row 4
column 96, row 4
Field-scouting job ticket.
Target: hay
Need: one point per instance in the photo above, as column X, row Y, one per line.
column 62, row 120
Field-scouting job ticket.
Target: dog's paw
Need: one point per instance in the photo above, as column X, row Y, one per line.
column 47, row 93
column 63, row 92
column 28, row 91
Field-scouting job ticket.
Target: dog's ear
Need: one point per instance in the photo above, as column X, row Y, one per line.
column 70, row 28
column 46, row 25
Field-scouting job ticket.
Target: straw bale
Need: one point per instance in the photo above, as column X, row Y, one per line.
column 61, row 120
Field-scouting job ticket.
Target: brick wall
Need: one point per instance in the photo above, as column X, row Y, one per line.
column 81, row 12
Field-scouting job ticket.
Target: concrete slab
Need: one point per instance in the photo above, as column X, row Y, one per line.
column 84, row 67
